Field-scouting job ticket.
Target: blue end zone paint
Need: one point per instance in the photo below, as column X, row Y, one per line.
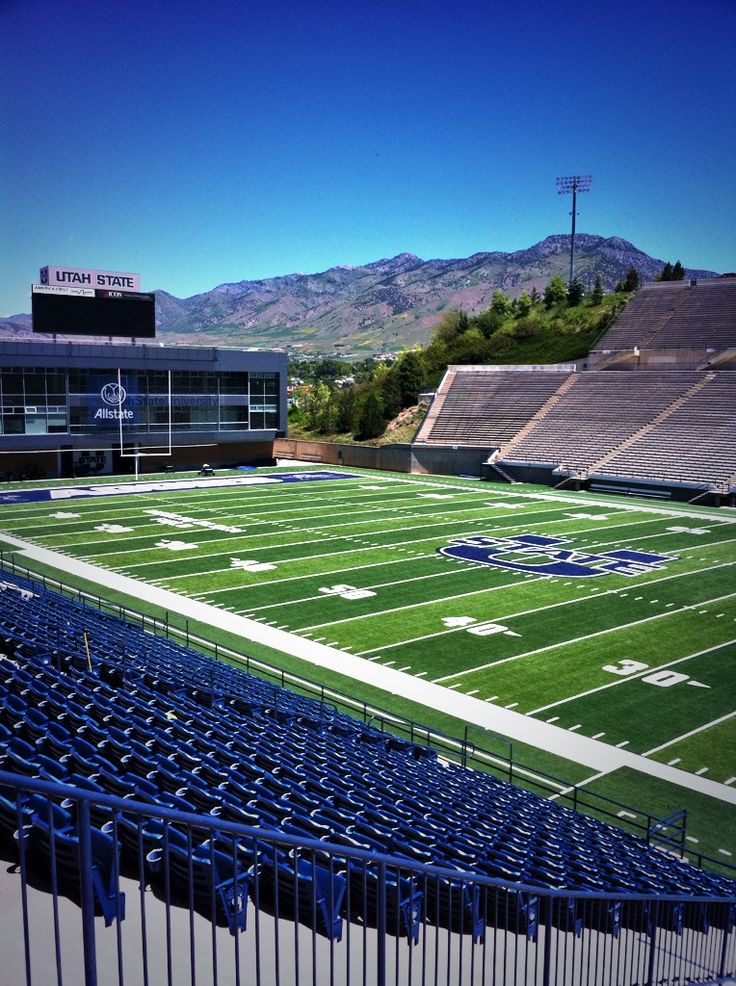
column 546, row 557
column 166, row 486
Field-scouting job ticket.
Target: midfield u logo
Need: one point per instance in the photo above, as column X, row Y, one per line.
column 542, row 554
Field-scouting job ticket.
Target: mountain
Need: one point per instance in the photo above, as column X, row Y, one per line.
column 382, row 305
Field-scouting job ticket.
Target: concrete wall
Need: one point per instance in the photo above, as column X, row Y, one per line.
column 434, row 460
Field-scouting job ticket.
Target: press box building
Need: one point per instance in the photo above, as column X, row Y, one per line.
column 84, row 408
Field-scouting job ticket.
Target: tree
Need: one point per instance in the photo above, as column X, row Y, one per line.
column 555, row 293
column 371, row 422
column 666, row 273
column 489, row 322
column 678, row 272
column 410, row 373
column 347, row 410
column 631, row 281
column 596, row 295
column 523, row 305
column 328, row 370
column 500, row 303
column 320, row 409
column 453, row 324
column 390, row 390
column 574, row 293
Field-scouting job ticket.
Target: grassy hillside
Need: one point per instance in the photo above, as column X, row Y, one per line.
column 531, row 329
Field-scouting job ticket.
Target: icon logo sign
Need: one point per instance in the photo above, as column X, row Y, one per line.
column 541, row 554
column 113, row 394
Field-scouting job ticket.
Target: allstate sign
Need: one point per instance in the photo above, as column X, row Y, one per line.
column 542, row 554
column 111, row 402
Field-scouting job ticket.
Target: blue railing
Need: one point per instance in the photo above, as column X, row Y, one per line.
column 109, row 890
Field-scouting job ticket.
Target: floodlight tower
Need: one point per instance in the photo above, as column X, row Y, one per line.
column 574, row 184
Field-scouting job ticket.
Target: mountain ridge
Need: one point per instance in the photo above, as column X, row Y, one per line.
column 385, row 304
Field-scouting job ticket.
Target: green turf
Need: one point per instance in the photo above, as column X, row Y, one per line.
column 579, row 652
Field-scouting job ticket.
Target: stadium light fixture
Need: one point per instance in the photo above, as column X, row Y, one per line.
column 574, row 184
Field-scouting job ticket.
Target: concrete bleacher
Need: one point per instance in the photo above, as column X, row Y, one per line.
column 598, row 413
column 696, row 443
column 660, row 425
column 487, row 406
column 675, row 315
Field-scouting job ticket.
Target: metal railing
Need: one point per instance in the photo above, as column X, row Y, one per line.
column 109, row 890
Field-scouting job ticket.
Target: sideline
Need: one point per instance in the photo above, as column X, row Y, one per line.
column 580, row 749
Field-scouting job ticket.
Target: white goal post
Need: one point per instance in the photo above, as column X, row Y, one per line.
column 160, row 451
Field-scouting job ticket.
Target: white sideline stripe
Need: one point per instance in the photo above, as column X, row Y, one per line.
column 631, row 677
column 586, row 499
column 577, row 640
column 539, row 609
column 692, row 732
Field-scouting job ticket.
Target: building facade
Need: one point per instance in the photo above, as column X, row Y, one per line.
column 81, row 409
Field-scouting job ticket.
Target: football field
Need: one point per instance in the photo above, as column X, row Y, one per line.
column 611, row 618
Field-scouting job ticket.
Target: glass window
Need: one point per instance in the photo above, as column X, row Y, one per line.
column 57, row 422
column 234, row 417
column 35, row 384
column 12, row 383
column 14, row 424
column 35, row 424
column 234, row 383
column 157, row 381
column 78, row 381
column 55, row 386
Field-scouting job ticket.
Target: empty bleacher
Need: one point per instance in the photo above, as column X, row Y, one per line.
column 488, row 406
column 677, row 315
column 226, row 776
column 696, row 443
column 598, row 413
column 662, row 426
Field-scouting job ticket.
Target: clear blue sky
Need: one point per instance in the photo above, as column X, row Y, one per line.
column 197, row 143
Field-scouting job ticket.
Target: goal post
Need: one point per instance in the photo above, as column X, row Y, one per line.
column 159, row 451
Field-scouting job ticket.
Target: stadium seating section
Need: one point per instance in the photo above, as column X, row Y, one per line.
column 658, row 406
column 140, row 715
column 675, row 315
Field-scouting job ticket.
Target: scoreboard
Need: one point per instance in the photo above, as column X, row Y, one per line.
column 93, row 311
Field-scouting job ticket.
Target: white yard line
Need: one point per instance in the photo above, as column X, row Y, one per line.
column 692, row 732
column 631, row 677
column 195, row 530
column 580, row 749
column 372, row 585
column 528, row 612
column 430, row 602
